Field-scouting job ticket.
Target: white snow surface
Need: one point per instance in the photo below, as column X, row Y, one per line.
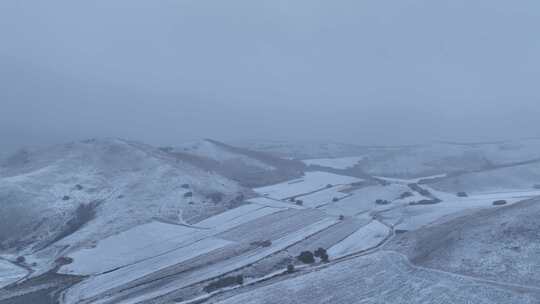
column 235, row 217
column 312, row 181
column 10, row 273
column 156, row 238
column 236, row 262
column 323, row 197
column 274, row 203
column 363, row 200
column 364, row 238
column 131, row 246
column 96, row 285
column 336, row 163
column 415, row 217
column 212, row 151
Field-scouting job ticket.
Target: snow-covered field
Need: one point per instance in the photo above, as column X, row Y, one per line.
column 156, row 238
column 132, row 246
column 336, row 163
column 312, row 181
column 236, row 217
column 323, row 197
column 10, row 273
column 363, row 200
column 96, row 285
column 364, row 238
column 415, row 217
column 225, row 266
column 274, row 203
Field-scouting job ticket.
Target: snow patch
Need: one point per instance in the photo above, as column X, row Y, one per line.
column 364, row 238
column 311, row 182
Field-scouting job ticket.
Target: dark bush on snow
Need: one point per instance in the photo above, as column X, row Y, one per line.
column 265, row 243
column 290, row 268
column 382, row 202
column 224, row 282
column 65, row 198
column 166, row 149
column 426, row 202
column 322, row 254
column 216, row 197
column 78, row 187
column 335, row 199
column 188, row 194
column 462, row 194
column 63, row 261
column 21, row 259
column 499, row 203
column 300, row 202
column 341, row 217
column 306, row 257
column 185, row 186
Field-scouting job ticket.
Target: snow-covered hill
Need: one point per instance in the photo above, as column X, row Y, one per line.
column 249, row 168
column 75, row 194
column 410, row 161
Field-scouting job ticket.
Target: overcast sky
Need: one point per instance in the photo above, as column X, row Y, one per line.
column 359, row 71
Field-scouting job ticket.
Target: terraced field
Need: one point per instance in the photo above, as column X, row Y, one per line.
column 273, row 226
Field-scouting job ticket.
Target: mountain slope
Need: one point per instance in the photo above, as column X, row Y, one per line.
column 249, row 168
column 75, row 194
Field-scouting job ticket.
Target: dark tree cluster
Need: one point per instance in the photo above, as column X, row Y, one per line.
column 322, row 254
column 426, row 202
column 462, row 194
column 290, row 268
column 382, row 202
column 499, row 203
column 307, row 257
column 215, row 197
column 224, row 282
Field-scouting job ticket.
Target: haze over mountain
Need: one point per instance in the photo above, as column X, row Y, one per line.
column 363, row 72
